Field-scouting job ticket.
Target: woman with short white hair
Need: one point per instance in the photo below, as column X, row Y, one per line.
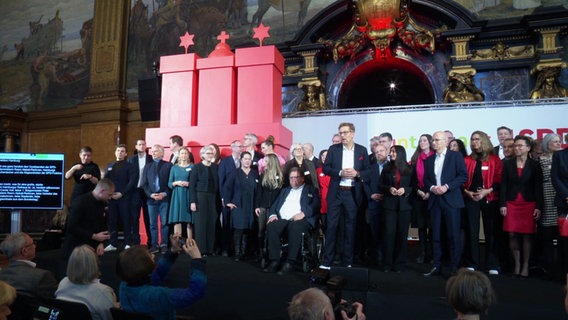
column 82, row 284
column 203, row 190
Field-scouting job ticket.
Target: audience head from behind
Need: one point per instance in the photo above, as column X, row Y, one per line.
column 83, row 265
column 18, row 246
column 315, row 304
column 134, row 265
column 310, row 304
column 470, row 293
column 7, row 297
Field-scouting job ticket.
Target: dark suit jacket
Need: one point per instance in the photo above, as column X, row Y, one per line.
column 559, row 176
column 226, row 167
column 85, row 218
column 124, row 179
column 388, row 180
column 309, row 203
column 454, row 174
column 333, row 165
column 199, row 180
column 529, row 184
column 134, row 161
column 149, row 176
column 30, row 281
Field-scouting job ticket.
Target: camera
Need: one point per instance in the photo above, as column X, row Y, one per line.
column 182, row 241
column 333, row 288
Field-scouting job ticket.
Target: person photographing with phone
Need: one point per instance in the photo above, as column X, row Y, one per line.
column 141, row 290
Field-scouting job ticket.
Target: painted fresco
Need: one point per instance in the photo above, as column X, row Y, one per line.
column 156, row 25
column 45, row 44
column 497, row 9
column 45, row 50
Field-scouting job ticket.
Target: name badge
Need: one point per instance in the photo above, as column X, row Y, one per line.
column 188, row 169
column 306, row 173
column 484, row 167
column 322, row 174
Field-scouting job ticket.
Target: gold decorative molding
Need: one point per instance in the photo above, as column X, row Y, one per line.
column 500, row 52
column 548, row 37
column 550, row 63
column 309, row 61
column 460, row 47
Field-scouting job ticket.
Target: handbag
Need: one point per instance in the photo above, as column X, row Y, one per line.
column 563, row 225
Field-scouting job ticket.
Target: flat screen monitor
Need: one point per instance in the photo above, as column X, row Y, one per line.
column 31, row 181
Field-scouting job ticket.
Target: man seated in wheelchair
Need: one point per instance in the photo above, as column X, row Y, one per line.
column 295, row 211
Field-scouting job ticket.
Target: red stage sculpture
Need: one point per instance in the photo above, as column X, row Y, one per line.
column 222, row 97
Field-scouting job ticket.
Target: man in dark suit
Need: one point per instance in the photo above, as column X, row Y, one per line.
column 155, row 183
column 444, row 175
column 348, row 166
column 227, row 166
column 138, row 199
column 503, row 134
column 295, row 211
column 123, row 175
column 21, row 272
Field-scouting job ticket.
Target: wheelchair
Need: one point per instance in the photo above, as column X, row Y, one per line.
column 311, row 250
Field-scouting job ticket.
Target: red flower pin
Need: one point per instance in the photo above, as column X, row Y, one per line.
column 360, row 158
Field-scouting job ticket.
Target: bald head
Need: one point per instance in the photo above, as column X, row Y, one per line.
column 439, row 141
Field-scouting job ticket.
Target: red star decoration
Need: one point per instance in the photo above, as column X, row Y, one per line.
column 261, row 32
column 186, row 40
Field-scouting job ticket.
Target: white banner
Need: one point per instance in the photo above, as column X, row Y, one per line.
column 407, row 126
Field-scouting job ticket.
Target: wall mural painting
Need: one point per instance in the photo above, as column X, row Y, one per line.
column 45, row 44
column 156, row 25
column 45, row 53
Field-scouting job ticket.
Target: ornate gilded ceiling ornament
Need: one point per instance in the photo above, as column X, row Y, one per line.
column 461, row 87
column 501, row 51
column 379, row 22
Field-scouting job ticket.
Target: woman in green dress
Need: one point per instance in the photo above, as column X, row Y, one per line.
column 179, row 183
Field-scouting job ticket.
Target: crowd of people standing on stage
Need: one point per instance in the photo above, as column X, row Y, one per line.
column 367, row 199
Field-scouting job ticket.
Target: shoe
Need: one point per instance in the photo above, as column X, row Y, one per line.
column 286, row 268
column 493, row 272
column 435, row 271
column 323, row 266
column 155, row 249
column 109, row 248
column 470, row 269
column 126, row 247
column 349, row 266
column 272, row 267
column 163, row 249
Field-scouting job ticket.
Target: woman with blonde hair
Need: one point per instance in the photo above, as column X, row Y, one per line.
column 179, row 183
column 270, row 183
column 82, row 284
column 7, row 297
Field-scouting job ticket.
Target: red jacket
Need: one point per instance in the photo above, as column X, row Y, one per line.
column 491, row 172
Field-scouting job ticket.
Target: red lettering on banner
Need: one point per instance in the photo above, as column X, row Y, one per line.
column 540, row 133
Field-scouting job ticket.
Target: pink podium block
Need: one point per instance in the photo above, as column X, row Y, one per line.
column 259, row 90
column 179, row 90
column 216, row 93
